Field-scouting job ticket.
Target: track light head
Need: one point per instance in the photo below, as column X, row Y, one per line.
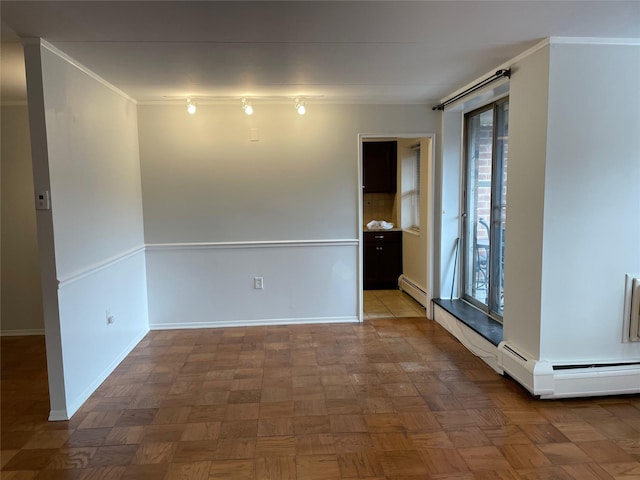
column 191, row 106
column 246, row 106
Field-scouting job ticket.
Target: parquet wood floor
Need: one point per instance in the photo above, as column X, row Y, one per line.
column 389, row 399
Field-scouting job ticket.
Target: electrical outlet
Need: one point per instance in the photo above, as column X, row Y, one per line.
column 258, row 283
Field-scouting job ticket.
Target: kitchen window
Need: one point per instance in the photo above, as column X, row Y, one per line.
column 411, row 189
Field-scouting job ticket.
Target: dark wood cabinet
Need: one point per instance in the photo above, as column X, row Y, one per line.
column 382, row 259
column 380, row 164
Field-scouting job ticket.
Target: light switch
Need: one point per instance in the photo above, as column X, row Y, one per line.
column 253, row 135
column 42, row 200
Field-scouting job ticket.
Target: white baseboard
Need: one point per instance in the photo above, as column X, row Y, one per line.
column 22, row 333
column 254, row 323
column 76, row 403
column 414, row 290
column 588, row 383
column 541, row 379
column 535, row 376
column 475, row 343
column 58, row 416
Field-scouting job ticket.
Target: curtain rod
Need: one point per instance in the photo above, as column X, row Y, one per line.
column 499, row 74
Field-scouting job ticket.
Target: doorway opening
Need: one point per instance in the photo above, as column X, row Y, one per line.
column 396, row 202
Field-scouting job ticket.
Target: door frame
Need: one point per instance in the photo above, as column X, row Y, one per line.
column 430, row 171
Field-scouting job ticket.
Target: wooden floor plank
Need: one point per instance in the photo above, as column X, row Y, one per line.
column 387, row 399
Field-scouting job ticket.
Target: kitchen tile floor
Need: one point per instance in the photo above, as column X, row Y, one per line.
column 390, row 304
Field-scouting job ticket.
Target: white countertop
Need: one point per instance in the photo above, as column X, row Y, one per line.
column 394, row 229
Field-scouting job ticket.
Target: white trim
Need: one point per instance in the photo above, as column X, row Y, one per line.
column 431, row 214
column 75, row 404
column 96, row 267
column 595, row 382
column 360, row 203
column 593, row 41
column 394, row 136
column 79, row 66
column 543, row 43
column 254, row 323
column 414, row 290
column 540, row 378
column 535, row 376
column 504, row 65
column 529, row 51
column 58, row 416
column 22, row 333
column 232, row 100
column 251, row 244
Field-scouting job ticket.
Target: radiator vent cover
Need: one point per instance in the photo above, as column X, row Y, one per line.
column 631, row 329
column 514, row 353
column 416, row 291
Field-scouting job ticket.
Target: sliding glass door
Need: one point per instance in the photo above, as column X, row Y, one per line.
column 485, row 197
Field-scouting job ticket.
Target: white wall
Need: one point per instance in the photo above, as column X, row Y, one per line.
column 21, row 295
column 85, row 151
column 416, row 246
column 591, row 201
column 573, row 222
column 448, row 211
column 528, row 100
column 573, row 228
column 205, row 182
column 212, row 286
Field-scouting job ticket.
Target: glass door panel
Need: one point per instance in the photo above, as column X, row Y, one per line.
column 478, row 209
column 499, row 208
column 484, row 223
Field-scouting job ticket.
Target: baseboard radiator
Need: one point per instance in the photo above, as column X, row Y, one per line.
column 631, row 324
column 548, row 381
column 411, row 288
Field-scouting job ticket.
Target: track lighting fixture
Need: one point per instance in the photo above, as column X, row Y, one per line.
column 300, row 108
column 191, row 106
column 246, row 106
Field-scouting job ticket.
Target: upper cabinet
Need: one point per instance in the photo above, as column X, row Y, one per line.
column 380, row 160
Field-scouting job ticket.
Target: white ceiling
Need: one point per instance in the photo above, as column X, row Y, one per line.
column 337, row 51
